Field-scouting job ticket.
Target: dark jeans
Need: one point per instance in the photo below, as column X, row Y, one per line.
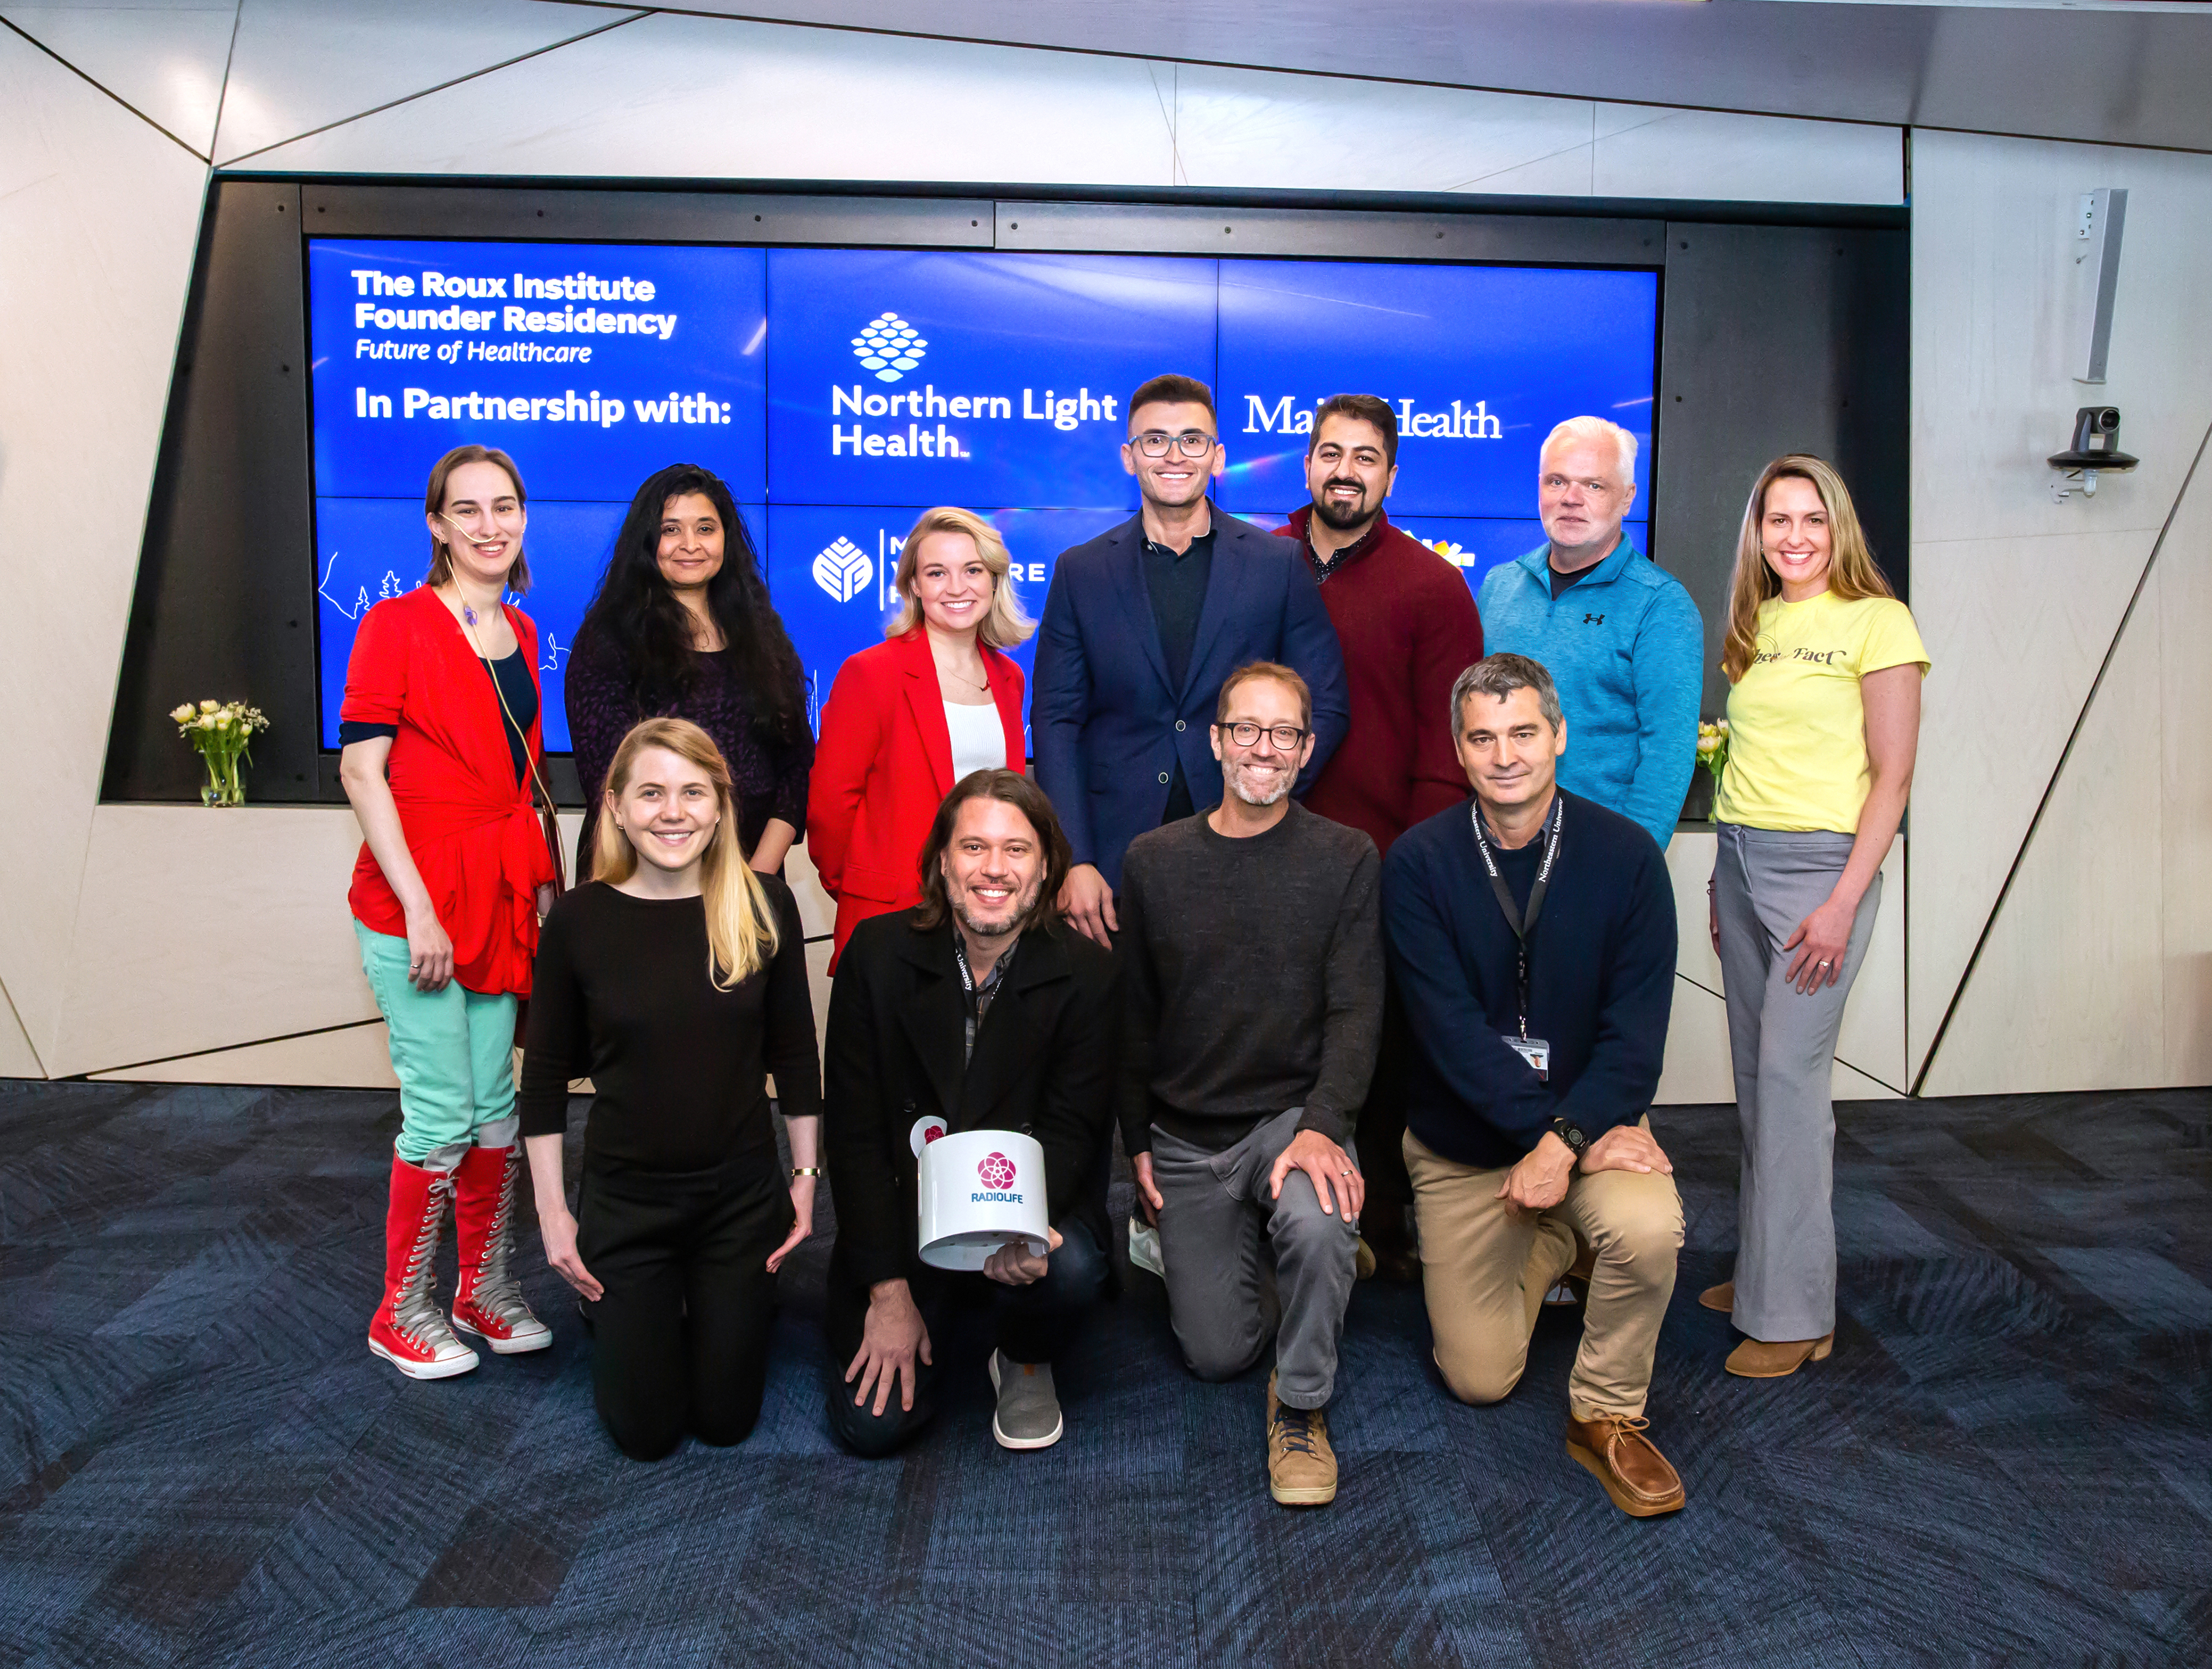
column 680, row 1334
column 1034, row 1324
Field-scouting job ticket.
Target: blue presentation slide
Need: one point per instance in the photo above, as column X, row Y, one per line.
column 841, row 392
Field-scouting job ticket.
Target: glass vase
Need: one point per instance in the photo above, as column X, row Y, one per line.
column 223, row 785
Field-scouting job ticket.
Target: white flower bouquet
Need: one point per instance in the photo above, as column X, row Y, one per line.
column 223, row 732
column 1712, row 752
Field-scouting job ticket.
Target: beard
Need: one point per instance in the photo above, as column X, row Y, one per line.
column 1239, row 785
column 1024, row 901
column 1343, row 520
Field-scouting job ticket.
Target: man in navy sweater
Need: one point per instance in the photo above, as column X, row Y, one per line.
column 1531, row 933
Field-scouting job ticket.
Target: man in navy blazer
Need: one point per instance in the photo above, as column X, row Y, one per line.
column 1141, row 627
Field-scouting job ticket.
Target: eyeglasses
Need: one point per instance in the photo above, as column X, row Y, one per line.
column 1245, row 734
column 1191, row 443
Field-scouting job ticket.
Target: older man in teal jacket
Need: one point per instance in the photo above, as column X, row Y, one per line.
column 1617, row 631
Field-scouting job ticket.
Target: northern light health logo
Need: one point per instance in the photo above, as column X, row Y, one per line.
column 890, row 347
column 843, row 569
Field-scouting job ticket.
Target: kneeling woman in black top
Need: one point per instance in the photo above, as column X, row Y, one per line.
column 674, row 981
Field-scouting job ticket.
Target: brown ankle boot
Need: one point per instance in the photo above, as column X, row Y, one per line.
column 1614, row 1449
column 1301, row 1463
column 1721, row 1297
column 1760, row 1358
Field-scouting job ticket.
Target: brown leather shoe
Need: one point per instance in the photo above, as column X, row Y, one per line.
column 1614, row 1449
column 1721, row 1298
column 1760, row 1358
column 1301, row 1465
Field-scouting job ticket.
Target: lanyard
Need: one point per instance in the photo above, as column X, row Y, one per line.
column 1522, row 924
column 975, row 999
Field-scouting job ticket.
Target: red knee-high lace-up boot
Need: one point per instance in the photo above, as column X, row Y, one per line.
column 409, row 1332
column 490, row 1302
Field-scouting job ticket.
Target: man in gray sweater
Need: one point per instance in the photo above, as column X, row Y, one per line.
column 1255, row 964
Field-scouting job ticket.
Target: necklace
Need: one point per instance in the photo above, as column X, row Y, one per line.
column 468, row 613
column 961, row 677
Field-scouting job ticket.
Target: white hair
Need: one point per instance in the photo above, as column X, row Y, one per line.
column 1596, row 429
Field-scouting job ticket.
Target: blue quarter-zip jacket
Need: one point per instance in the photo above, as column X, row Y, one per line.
column 1624, row 645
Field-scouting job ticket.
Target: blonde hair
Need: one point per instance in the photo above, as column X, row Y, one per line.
column 1003, row 623
column 741, row 930
column 1853, row 574
column 1595, row 428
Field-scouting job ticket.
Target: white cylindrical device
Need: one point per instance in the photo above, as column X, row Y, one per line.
column 976, row 1192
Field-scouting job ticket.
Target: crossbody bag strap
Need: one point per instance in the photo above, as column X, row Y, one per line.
column 549, row 820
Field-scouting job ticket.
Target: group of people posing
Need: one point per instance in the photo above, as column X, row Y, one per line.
column 1359, row 937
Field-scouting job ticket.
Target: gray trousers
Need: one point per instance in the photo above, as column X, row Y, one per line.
column 1783, row 1045
column 1226, row 1297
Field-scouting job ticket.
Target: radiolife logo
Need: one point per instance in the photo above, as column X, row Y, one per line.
column 890, row 347
column 843, row 569
column 997, row 1172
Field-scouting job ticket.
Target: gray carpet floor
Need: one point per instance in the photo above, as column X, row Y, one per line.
column 2009, row 1460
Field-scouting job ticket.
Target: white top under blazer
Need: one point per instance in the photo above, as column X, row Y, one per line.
column 979, row 737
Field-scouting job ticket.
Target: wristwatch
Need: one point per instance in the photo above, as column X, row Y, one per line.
column 1577, row 1144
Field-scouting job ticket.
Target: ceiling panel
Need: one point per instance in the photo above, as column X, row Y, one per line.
column 2132, row 76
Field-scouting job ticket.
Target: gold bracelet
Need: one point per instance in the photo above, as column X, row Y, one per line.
column 806, row 1170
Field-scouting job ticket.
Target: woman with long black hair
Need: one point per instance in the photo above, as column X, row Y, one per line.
column 681, row 628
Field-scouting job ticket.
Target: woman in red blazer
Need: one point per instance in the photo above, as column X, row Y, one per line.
column 909, row 718
column 441, row 750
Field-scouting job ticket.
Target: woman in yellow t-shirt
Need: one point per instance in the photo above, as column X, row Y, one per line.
column 1824, row 717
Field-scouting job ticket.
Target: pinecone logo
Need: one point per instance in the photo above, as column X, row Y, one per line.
column 997, row 1172
column 890, row 347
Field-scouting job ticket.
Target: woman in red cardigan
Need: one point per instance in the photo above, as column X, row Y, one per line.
column 909, row 718
column 440, row 742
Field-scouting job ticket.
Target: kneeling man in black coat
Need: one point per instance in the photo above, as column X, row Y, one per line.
column 980, row 1008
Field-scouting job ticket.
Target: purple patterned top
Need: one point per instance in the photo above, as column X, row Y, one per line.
column 770, row 777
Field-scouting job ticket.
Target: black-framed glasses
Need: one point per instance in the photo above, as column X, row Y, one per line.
column 1191, row 443
column 1245, row 734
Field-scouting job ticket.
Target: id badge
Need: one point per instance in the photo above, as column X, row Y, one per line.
column 1534, row 1050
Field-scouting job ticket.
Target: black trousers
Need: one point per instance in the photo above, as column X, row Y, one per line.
column 1034, row 1324
column 680, row 1332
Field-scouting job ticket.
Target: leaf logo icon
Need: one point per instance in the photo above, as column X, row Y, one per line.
column 842, row 569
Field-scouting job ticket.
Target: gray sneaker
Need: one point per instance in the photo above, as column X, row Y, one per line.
column 1028, row 1416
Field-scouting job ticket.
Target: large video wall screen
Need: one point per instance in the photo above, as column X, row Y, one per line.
column 842, row 392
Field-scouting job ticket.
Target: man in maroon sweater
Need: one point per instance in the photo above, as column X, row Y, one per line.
column 1408, row 626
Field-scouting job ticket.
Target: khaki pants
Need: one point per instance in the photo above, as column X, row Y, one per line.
column 1486, row 1269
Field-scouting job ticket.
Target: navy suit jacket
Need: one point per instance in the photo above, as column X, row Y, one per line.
column 1106, row 726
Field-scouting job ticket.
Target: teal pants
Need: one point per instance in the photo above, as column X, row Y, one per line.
column 453, row 1051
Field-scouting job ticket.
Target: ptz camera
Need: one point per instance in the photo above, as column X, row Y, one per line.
column 2095, row 448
